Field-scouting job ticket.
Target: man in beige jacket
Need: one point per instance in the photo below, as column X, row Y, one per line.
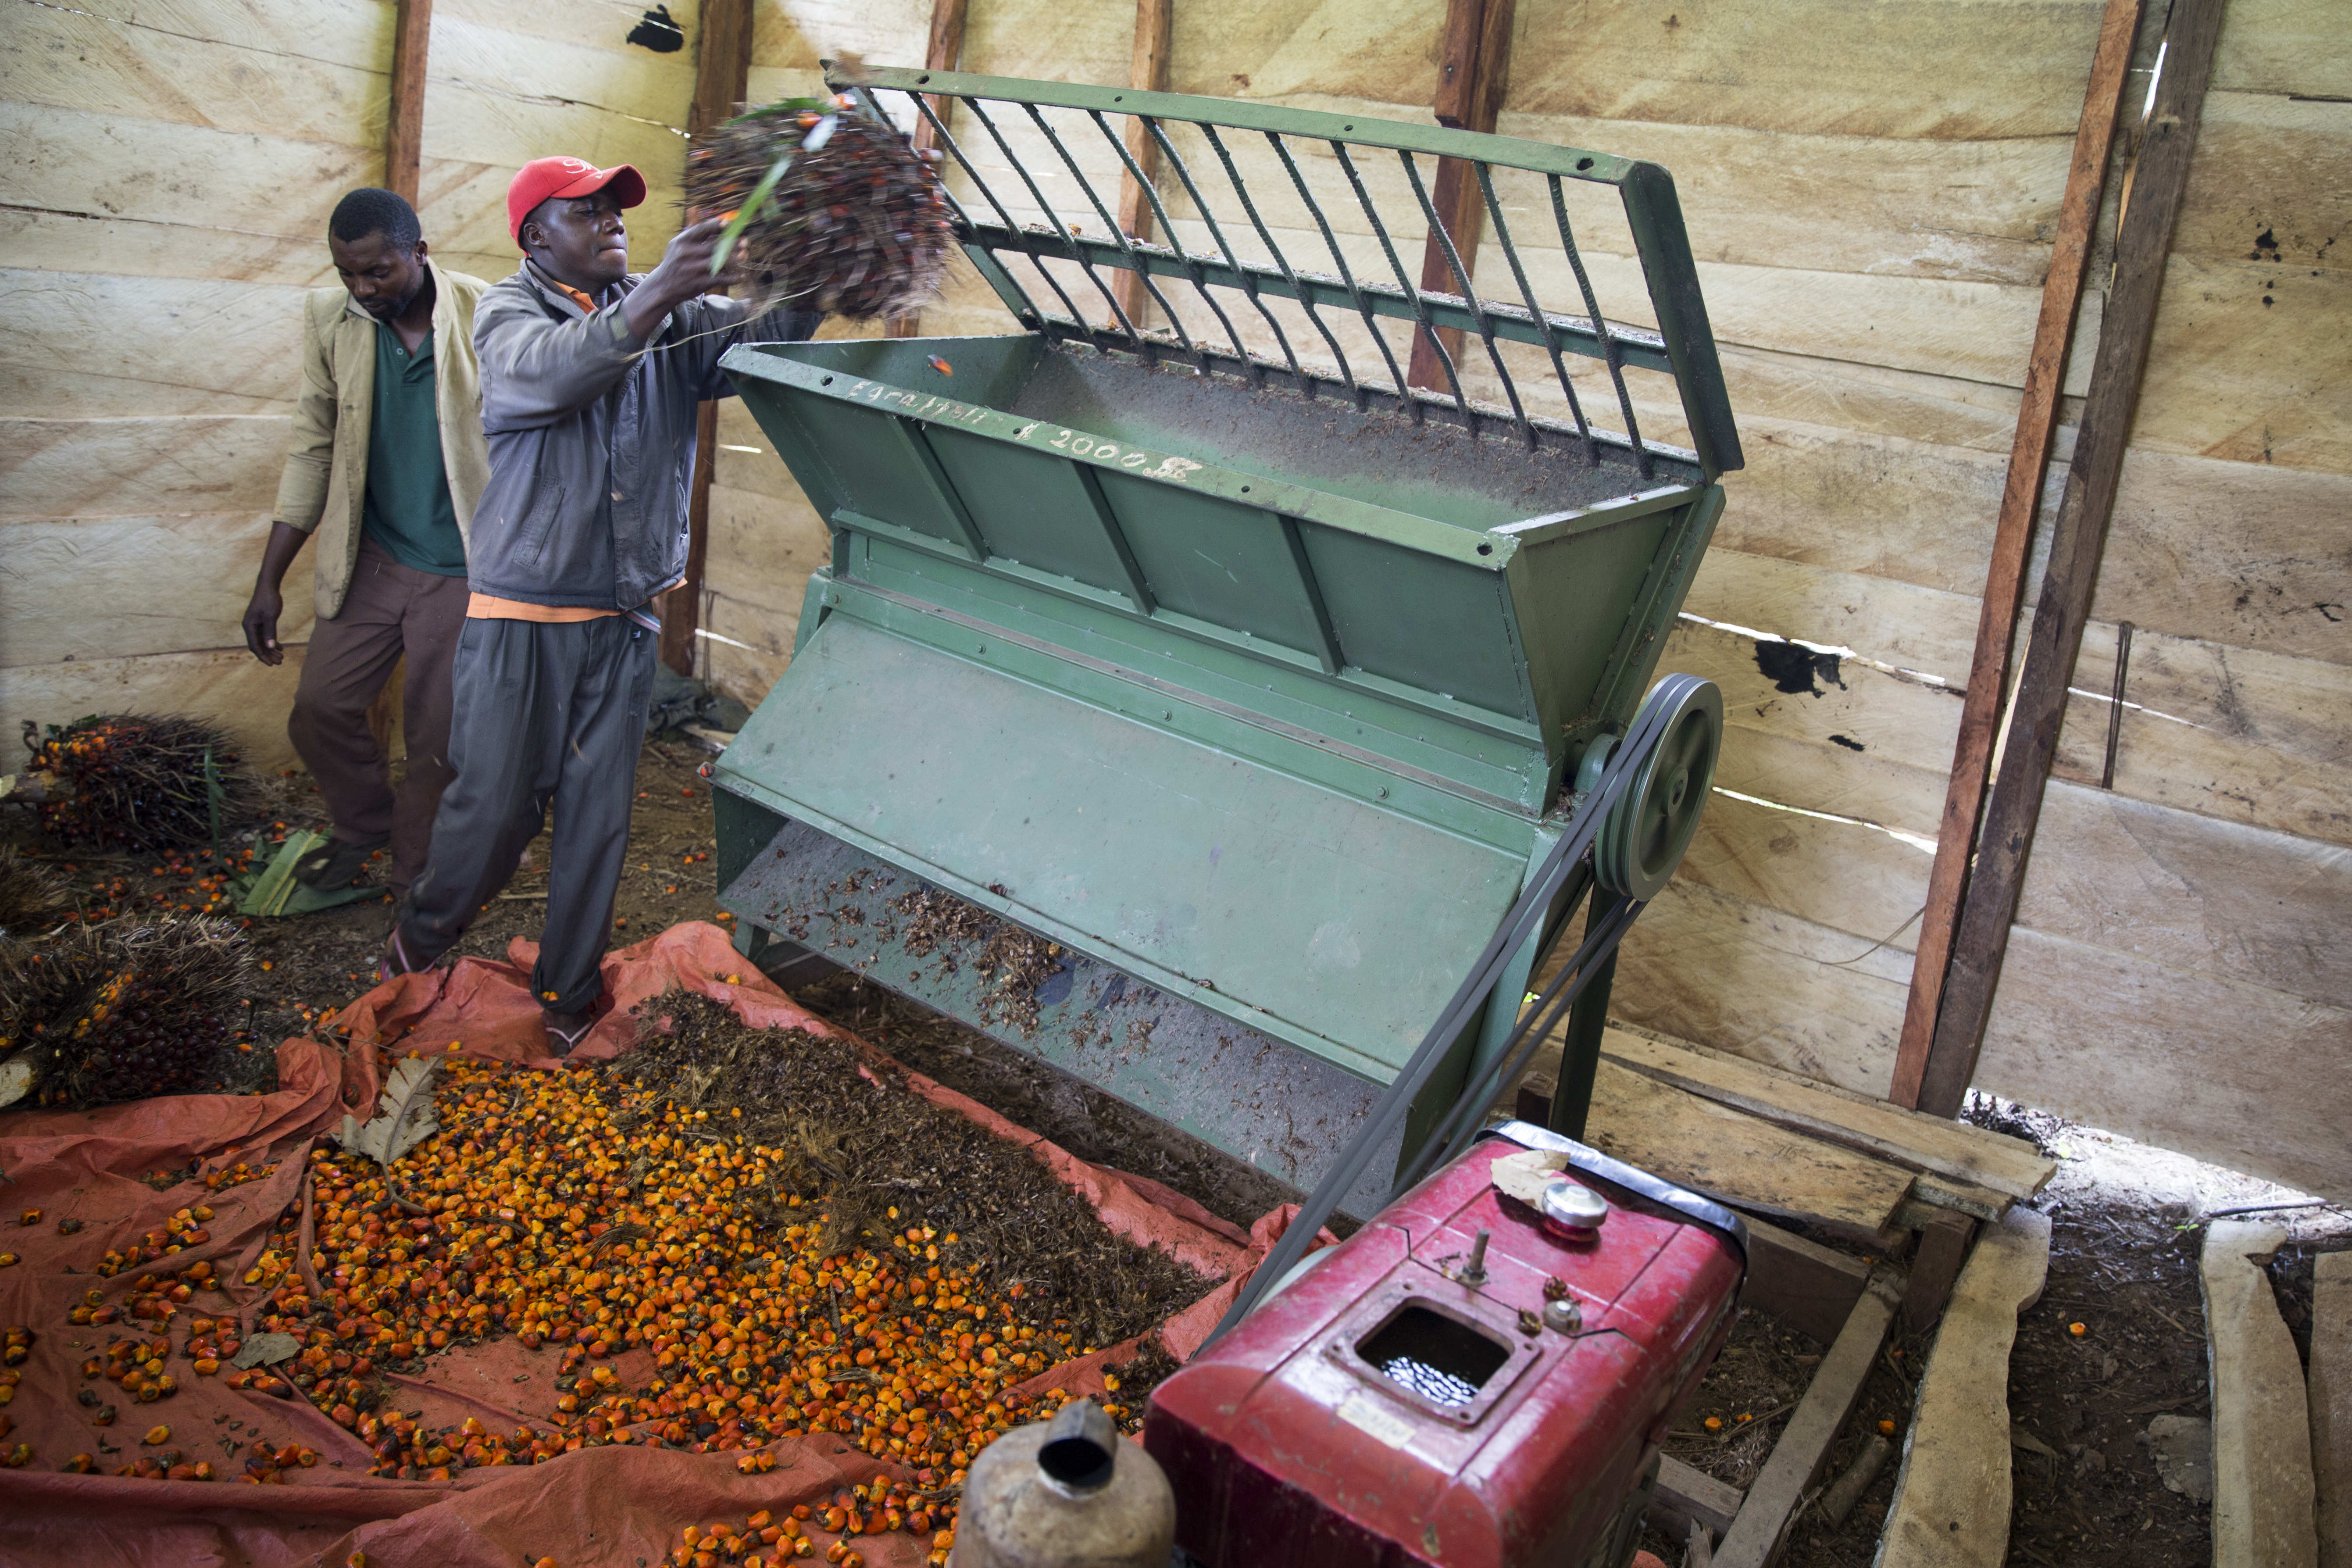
column 387, row 463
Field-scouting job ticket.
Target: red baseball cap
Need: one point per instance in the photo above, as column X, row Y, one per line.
column 543, row 178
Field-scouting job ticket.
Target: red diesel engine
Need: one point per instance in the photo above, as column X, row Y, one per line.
column 1480, row 1378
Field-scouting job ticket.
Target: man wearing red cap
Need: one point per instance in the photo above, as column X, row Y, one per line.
column 589, row 381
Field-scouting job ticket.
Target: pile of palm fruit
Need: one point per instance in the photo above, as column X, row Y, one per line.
column 828, row 208
column 792, row 1241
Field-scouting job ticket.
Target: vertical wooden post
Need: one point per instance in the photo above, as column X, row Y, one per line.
column 723, row 70
column 2143, row 240
column 1148, row 71
column 1472, row 72
column 2029, row 462
column 404, row 131
column 403, row 158
column 941, row 54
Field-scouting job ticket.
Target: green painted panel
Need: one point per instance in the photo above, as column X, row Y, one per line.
column 874, row 465
column 1580, row 589
column 1035, row 513
column 1329, row 920
column 1204, row 556
column 1429, row 624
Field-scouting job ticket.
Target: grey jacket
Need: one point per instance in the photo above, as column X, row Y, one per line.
column 591, row 439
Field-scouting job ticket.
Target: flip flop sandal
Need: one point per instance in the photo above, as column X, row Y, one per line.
column 335, row 863
column 563, row 1041
column 394, row 960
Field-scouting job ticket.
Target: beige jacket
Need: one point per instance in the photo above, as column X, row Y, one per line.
column 325, row 481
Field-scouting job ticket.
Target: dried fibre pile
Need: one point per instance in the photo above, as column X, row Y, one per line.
column 137, row 783
column 829, row 206
column 122, row 1014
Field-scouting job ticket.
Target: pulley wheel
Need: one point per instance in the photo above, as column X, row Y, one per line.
column 1642, row 838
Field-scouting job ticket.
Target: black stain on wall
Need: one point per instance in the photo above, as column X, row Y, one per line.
column 658, row 32
column 1797, row 670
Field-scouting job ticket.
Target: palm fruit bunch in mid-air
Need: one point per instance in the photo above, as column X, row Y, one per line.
column 828, row 208
column 119, row 1014
column 131, row 782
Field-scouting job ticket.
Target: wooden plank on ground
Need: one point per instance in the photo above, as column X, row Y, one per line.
column 1686, row 1496
column 1757, row 1534
column 2262, row 1431
column 1970, row 1155
column 1951, row 1505
column 2330, row 1391
column 1807, row 1286
column 1739, row 1157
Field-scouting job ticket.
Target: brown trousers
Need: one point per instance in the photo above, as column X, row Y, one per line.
column 392, row 610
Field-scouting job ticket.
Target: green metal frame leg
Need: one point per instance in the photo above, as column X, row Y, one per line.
column 1580, row 1057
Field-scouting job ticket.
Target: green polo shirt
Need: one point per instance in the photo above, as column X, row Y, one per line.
column 407, row 511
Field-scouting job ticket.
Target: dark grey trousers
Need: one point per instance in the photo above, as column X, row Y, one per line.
column 542, row 716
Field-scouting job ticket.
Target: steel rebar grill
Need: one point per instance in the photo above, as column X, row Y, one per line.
column 1282, row 240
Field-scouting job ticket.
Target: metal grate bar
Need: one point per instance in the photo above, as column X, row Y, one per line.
column 1469, row 298
column 940, row 130
column 1126, row 243
column 1347, row 278
column 1061, row 230
column 1192, row 268
column 1680, row 347
column 1405, row 278
column 1296, row 291
column 1209, row 216
column 1608, row 344
column 1527, row 292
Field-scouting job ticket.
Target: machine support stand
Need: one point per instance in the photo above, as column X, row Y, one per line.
column 1580, row 1057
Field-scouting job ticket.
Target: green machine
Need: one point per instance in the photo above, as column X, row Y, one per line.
column 1266, row 717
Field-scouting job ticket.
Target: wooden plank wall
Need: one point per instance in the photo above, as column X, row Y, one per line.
column 163, row 203
column 1869, row 191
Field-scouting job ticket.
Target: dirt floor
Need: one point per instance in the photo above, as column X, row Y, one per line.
column 2129, row 1220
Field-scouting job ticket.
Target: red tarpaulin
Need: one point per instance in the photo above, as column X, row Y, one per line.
column 616, row 1504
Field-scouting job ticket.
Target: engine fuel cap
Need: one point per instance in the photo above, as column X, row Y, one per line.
column 1572, row 1209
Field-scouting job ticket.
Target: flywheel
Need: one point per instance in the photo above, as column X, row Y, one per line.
column 1642, row 838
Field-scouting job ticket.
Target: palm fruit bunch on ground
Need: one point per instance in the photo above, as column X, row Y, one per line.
column 32, row 897
column 119, row 1014
column 828, row 208
column 131, row 782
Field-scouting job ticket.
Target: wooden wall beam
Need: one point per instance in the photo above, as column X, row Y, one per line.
column 2029, row 462
column 1472, row 70
column 942, row 52
column 403, row 159
column 722, row 74
column 1147, row 71
column 2143, row 241
column 404, row 131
